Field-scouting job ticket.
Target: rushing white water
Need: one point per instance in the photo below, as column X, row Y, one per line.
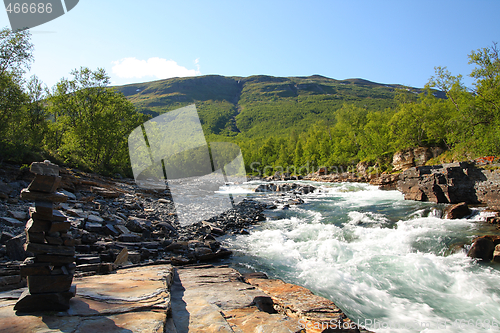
column 385, row 261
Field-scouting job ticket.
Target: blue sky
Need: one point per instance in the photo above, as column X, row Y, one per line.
column 383, row 41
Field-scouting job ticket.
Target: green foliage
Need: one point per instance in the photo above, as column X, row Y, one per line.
column 92, row 121
column 258, row 106
column 465, row 122
column 15, row 58
column 16, row 52
column 293, row 124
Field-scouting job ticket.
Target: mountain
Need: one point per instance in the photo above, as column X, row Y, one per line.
column 260, row 105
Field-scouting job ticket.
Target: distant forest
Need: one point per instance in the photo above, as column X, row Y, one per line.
column 295, row 123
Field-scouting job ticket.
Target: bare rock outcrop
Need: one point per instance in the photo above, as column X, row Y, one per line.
column 412, row 157
column 452, row 183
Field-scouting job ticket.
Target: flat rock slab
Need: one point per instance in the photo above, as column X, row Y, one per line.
column 130, row 300
column 215, row 299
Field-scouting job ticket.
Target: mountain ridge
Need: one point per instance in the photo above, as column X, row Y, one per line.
column 232, row 106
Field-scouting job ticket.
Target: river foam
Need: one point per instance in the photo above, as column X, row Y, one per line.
column 378, row 257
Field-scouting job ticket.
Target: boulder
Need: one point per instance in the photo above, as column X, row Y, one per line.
column 386, row 181
column 457, row 211
column 306, row 189
column 322, row 171
column 421, row 155
column 264, row 188
column 482, row 248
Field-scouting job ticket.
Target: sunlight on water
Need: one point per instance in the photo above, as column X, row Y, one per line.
column 378, row 257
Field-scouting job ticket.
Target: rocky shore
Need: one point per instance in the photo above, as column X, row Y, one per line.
column 195, row 298
column 119, row 227
column 114, row 222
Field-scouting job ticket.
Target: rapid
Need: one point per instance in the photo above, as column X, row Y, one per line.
column 391, row 265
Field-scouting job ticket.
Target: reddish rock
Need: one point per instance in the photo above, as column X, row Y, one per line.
column 322, row 171
column 386, row 181
column 299, row 302
column 493, row 219
column 457, row 211
column 482, row 248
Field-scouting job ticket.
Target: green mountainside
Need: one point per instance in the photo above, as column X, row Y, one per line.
column 297, row 124
column 259, row 106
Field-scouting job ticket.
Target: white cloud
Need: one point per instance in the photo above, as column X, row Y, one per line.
column 156, row 67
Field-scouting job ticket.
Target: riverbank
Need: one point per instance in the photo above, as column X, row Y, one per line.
column 119, row 227
column 199, row 298
column 150, row 241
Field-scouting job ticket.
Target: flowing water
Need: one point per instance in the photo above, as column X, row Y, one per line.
column 391, row 265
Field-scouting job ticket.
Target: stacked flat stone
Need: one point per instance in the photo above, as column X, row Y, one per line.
column 50, row 272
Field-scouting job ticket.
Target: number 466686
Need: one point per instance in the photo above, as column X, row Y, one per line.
column 32, row 8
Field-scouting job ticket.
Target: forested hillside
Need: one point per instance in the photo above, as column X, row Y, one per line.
column 306, row 122
column 280, row 123
column 259, row 106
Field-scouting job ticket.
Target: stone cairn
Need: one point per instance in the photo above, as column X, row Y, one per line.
column 50, row 271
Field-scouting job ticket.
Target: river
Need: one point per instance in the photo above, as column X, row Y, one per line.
column 390, row 264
